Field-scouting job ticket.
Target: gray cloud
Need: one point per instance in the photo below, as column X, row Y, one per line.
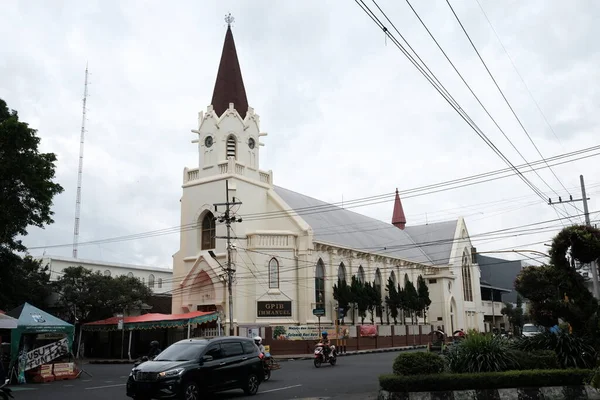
column 333, row 94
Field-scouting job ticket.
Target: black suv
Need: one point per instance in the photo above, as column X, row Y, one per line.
column 192, row 367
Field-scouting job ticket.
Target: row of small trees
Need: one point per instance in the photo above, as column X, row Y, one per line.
column 365, row 297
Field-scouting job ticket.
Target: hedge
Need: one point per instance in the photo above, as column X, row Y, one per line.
column 419, row 363
column 487, row 380
column 536, row 359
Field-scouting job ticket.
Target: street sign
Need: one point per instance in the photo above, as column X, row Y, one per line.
column 120, row 322
column 318, row 312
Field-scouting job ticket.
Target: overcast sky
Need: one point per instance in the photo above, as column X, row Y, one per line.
column 347, row 114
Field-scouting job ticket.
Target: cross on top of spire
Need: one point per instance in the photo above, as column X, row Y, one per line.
column 229, row 19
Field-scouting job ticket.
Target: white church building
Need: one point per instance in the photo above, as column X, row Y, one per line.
column 290, row 249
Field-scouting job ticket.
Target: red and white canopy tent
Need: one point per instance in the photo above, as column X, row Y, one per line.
column 151, row 321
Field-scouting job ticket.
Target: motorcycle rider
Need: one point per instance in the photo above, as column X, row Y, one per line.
column 326, row 344
column 154, row 349
column 258, row 342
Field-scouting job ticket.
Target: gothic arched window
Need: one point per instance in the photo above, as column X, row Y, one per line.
column 231, row 146
column 466, row 277
column 393, row 278
column 320, row 284
column 273, row 273
column 377, row 286
column 361, row 274
column 151, row 281
column 342, row 273
column 208, row 232
column 159, row 283
column 130, row 275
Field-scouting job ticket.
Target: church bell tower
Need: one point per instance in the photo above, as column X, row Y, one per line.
column 229, row 131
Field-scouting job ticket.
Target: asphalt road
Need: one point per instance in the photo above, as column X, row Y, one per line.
column 353, row 378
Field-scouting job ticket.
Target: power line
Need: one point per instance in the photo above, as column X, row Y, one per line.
column 500, row 90
column 331, row 207
column 453, row 103
column 520, row 76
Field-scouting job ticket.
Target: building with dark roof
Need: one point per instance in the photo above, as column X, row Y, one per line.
column 289, row 249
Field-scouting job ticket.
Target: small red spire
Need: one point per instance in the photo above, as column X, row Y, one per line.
column 398, row 218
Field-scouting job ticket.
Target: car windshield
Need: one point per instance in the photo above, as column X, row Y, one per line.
column 530, row 328
column 181, row 352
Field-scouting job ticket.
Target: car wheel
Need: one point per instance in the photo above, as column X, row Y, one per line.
column 190, row 391
column 251, row 385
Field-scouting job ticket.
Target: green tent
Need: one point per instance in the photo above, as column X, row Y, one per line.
column 32, row 320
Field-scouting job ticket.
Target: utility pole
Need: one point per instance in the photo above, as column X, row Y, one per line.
column 584, row 199
column 587, row 222
column 228, row 218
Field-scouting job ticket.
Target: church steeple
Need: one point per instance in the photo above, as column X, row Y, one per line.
column 229, row 87
column 398, row 218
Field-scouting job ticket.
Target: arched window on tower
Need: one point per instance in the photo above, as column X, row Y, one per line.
column 320, row 284
column 466, row 277
column 273, row 274
column 130, row 275
column 361, row 274
column 342, row 273
column 160, row 283
column 208, row 232
column 151, row 281
column 231, row 146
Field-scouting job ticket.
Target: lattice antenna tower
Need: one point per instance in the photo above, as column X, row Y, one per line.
column 80, row 170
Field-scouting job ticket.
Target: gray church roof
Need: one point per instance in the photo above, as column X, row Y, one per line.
column 435, row 239
column 345, row 228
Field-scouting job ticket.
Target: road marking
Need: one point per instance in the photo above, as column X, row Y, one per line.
column 108, row 381
column 86, row 380
column 68, row 385
column 103, row 387
column 278, row 389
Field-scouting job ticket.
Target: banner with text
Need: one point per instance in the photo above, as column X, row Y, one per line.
column 302, row 332
column 47, row 353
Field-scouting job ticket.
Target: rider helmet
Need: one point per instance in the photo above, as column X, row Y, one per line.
column 154, row 343
column 324, row 333
column 257, row 340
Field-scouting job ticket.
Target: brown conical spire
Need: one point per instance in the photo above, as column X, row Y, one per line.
column 229, row 87
column 398, row 218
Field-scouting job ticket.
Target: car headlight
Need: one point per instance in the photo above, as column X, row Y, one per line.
column 171, row 373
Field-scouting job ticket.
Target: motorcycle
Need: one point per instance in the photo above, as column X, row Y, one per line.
column 5, row 392
column 269, row 364
column 142, row 360
column 320, row 357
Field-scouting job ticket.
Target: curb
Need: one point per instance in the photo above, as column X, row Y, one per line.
column 354, row 353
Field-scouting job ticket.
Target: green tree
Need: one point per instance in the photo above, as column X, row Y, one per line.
column 26, row 181
column 423, row 299
column 515, row 315
column 403, row 310
column 343, row 295
column 87, row 296
column 411, row 299
column 391, row 300
column 361, row 298
column 557, row 290
column 22, row 279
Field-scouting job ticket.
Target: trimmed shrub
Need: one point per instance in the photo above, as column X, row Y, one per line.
column 481, row 353
column 418, row 363
column 536, row 359
column 572, row 351
column 482, row 381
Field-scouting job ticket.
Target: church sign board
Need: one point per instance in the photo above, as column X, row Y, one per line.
column 273, row 309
